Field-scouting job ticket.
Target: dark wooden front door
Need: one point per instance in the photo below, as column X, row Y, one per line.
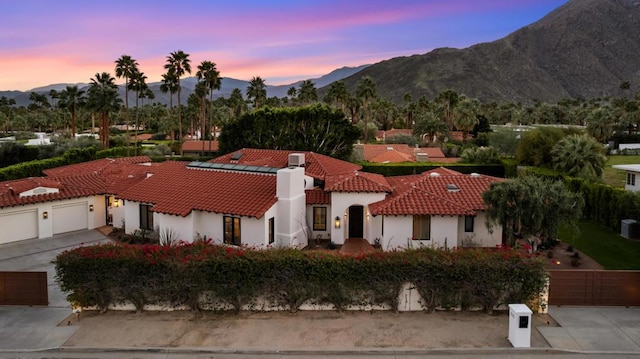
column 356, row 220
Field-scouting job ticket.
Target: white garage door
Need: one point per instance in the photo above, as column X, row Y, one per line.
column 18, row 225
column 70, row 217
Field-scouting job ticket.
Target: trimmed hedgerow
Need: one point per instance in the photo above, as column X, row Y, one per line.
column 409, row 168
column 201, row 275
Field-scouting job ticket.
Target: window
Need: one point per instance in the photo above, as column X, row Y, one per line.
column 468, row 223
column 319, row 218
column 631, row 179
column 146, row 217
column 421, row 228
column 272, row 232
column 232, row 230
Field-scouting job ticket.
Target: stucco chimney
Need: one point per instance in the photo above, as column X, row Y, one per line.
column 291, row 211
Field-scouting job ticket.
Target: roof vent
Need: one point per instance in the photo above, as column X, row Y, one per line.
column 452, row 187
column 389, row 148
column 296, row 160
column 434, row 174
column 475, row 174
column 237, row 156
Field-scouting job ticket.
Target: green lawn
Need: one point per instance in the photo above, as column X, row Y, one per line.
column 604, row 245
column 614, row 177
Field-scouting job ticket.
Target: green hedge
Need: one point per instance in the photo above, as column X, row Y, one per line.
column 409, row 168
column 202, row 275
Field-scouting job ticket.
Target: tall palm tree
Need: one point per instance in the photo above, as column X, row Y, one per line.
column 170, row 83
column 179, row 63
column 103, row 99
column 448, row 100
column 71, row 98
column 237, row 103
column 366, row 90
column 465, row 117
column 209, row 74
column 308, row 92
column 257, row 91
column 139, row 85
column 292, row 93
column 126, row 67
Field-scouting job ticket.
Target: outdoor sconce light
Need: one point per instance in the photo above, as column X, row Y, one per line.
column 337, row 222
column 116, row 203
column 45, row 215
column 90, row 208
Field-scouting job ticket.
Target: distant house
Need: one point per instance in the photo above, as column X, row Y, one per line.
column 633, row 174
column 396, row 153
column 194, row 147
column 389, row 134
column 253, row 197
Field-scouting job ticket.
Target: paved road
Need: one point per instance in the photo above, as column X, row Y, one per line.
column 452, row 354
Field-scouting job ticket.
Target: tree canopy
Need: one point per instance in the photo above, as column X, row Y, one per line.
column 316, row 128
column 532, row 206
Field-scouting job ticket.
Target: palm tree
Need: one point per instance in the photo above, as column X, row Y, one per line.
column 139, row 85
column 71, row 98
column 292, row 92
column 170, row 83
column 257, row 90
column 179, row 63
column 448, row 99
column 237, row 103
column 579, row 156
column 465, row 117
column 409, row 107
column 209, row 74
column 600, row 124
column 126, row 67
column 103, row 99
column 428, row 123
column 307, row 93
column 366, row 90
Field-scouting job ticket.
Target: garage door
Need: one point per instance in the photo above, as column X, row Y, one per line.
column 70, row 217
column 18, row 225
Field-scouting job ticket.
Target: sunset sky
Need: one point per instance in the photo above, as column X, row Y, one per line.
column 282, row 41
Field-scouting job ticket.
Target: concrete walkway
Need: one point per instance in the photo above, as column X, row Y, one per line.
column 602, row 329
column 37, row 327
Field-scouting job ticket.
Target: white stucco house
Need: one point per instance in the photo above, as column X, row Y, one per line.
column 261, row 198
column 633, row 172
column 70, row 198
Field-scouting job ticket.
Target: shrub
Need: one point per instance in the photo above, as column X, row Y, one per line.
column 234, row 277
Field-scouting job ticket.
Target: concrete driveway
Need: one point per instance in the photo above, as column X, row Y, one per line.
column 37, row 327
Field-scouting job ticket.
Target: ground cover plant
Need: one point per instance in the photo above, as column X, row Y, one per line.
column 603, row 245
column 201, row 275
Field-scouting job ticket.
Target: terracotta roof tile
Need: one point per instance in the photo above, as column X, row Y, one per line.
column 376, row 152
column 94, row 166
column 357, row 182
column 196, row 146
column 317, row 165
column 178, row 190
column 10, row 197
column 432, row 152
column 392, row 156
column 317, row 196
column 437, row 192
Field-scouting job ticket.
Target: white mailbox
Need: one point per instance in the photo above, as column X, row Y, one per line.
column 520, row 325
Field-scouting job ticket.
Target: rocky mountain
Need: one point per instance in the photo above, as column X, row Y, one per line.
column 188, row 84
column 585, row 48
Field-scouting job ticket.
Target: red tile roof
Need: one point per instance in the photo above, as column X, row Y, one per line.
column 196, row 146
column 394, row 132
column 317, row 196
column 142, row 137
column 317, row 165
column 392, row 156
column 93, row 166
column 437, row 192
column 178, row 190
column 394, row 153
column 357, row 182
column 10, row 192
column 432, row 152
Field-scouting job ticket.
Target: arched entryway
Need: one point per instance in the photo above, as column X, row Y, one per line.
column 356, row 222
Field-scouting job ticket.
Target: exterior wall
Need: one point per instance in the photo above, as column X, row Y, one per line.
column 131, row 216
column 24, row 229
column 181, row 226
column 444, row 231
column 340, row 203
column 118, row 213
column 480, row 237
column 398, row 231
column 632, row 187
column 254, row 232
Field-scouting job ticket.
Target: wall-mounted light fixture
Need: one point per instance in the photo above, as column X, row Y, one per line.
column 337, row 224
column 116, row 202
column 90, row 208
column 45, row 215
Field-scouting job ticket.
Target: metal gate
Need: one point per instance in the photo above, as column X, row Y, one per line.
column 594, row 287
column 23, row 288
